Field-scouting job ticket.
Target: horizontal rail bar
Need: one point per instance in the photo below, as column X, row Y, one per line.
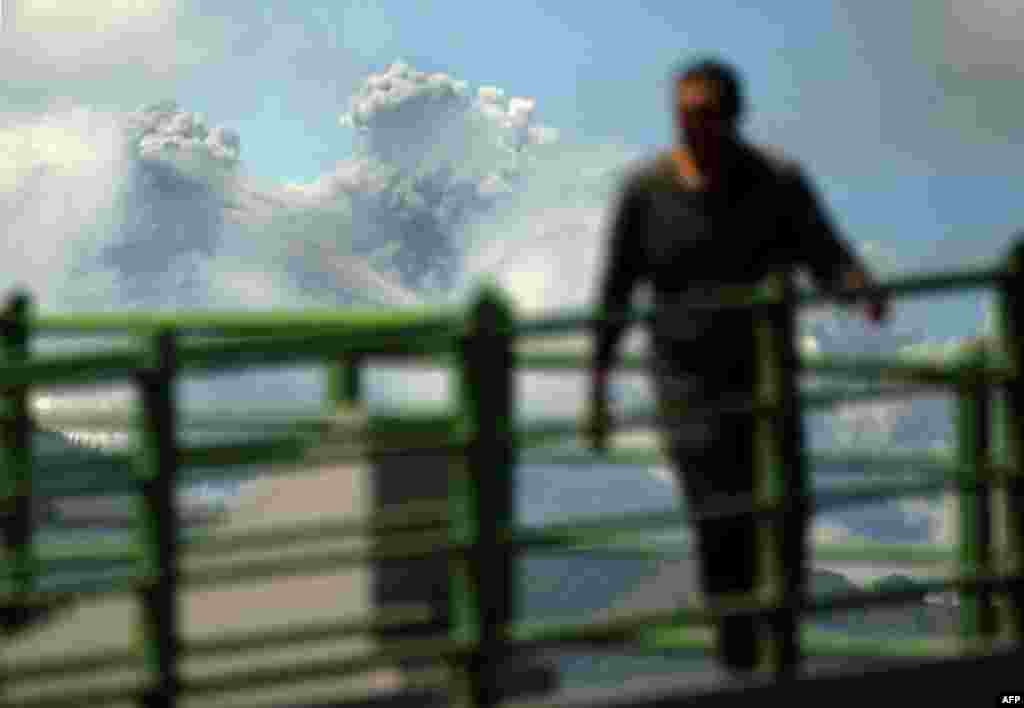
column 995, row 276
column 576, row 362
column 875, row 464
column 303, row 348
column 823, row 643
column 827, row 398
column 739, row 505
column 94, row 697
column 71, row 665
column 629, row 545
column 412, row 516
column 275, row 455
column 303, row 422
column 946, row 375
column 294, row 673
column 587, row 528
column 101, row 548
column 281, row 349
column 878, row 554
column 561, row 542
column 394, row 617
column 894, row 369
column 267, row 451
column 246, row 323
column 421, row 546
column 851, row 494
column 228, row 420
column 91, row 368
column 115, row 364
column 422, row 688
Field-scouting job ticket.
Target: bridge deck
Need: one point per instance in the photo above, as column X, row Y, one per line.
column 111, row 622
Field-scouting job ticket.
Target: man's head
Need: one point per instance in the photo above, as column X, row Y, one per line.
column 708, row 103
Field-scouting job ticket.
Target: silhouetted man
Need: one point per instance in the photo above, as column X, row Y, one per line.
column 713, row 212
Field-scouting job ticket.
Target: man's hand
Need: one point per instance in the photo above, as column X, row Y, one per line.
column 598, row 423
column 877, row 309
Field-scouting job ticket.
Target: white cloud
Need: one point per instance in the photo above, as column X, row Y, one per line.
column 58, row 179
column 947, row 73
column 985, row 34
column 808, row 345
column 53, row 37
column 942, row 517
column 830, row 532
column 870, row 425
column 544, row 242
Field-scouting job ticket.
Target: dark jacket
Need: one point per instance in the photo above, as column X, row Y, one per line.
column 767, row 218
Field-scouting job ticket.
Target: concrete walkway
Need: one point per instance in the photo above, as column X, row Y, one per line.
column 111, row 622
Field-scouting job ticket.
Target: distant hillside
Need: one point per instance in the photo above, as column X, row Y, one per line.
column 675, row 582
column 59, row 462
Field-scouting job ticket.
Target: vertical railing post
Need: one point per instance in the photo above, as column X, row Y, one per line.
column 1011, row 316
column 977, row 617
column 158, row 472
column 483, row 594
column 999, row 424
column 16, row 459
column 344, row 382
column 780, row 478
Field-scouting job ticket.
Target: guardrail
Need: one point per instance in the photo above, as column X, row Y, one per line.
column 475, row 528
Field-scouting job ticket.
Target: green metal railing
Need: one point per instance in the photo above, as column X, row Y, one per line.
column 475, row 528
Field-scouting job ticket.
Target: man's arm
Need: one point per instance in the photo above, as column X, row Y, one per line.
column 832, row 263
column 622, row 270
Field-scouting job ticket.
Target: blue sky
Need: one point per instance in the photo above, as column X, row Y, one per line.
column 599, row 75
column 821, row 82
column 904, row 115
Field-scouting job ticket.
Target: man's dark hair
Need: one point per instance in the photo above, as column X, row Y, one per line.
column 720, row 73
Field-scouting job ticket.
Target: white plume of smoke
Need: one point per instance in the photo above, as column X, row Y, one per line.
column 163, row 131
column 444, row 116
column 431, row 158
column 172, row 206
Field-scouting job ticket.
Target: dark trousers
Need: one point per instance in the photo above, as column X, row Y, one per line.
column 726, row 547
column 712, row 456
